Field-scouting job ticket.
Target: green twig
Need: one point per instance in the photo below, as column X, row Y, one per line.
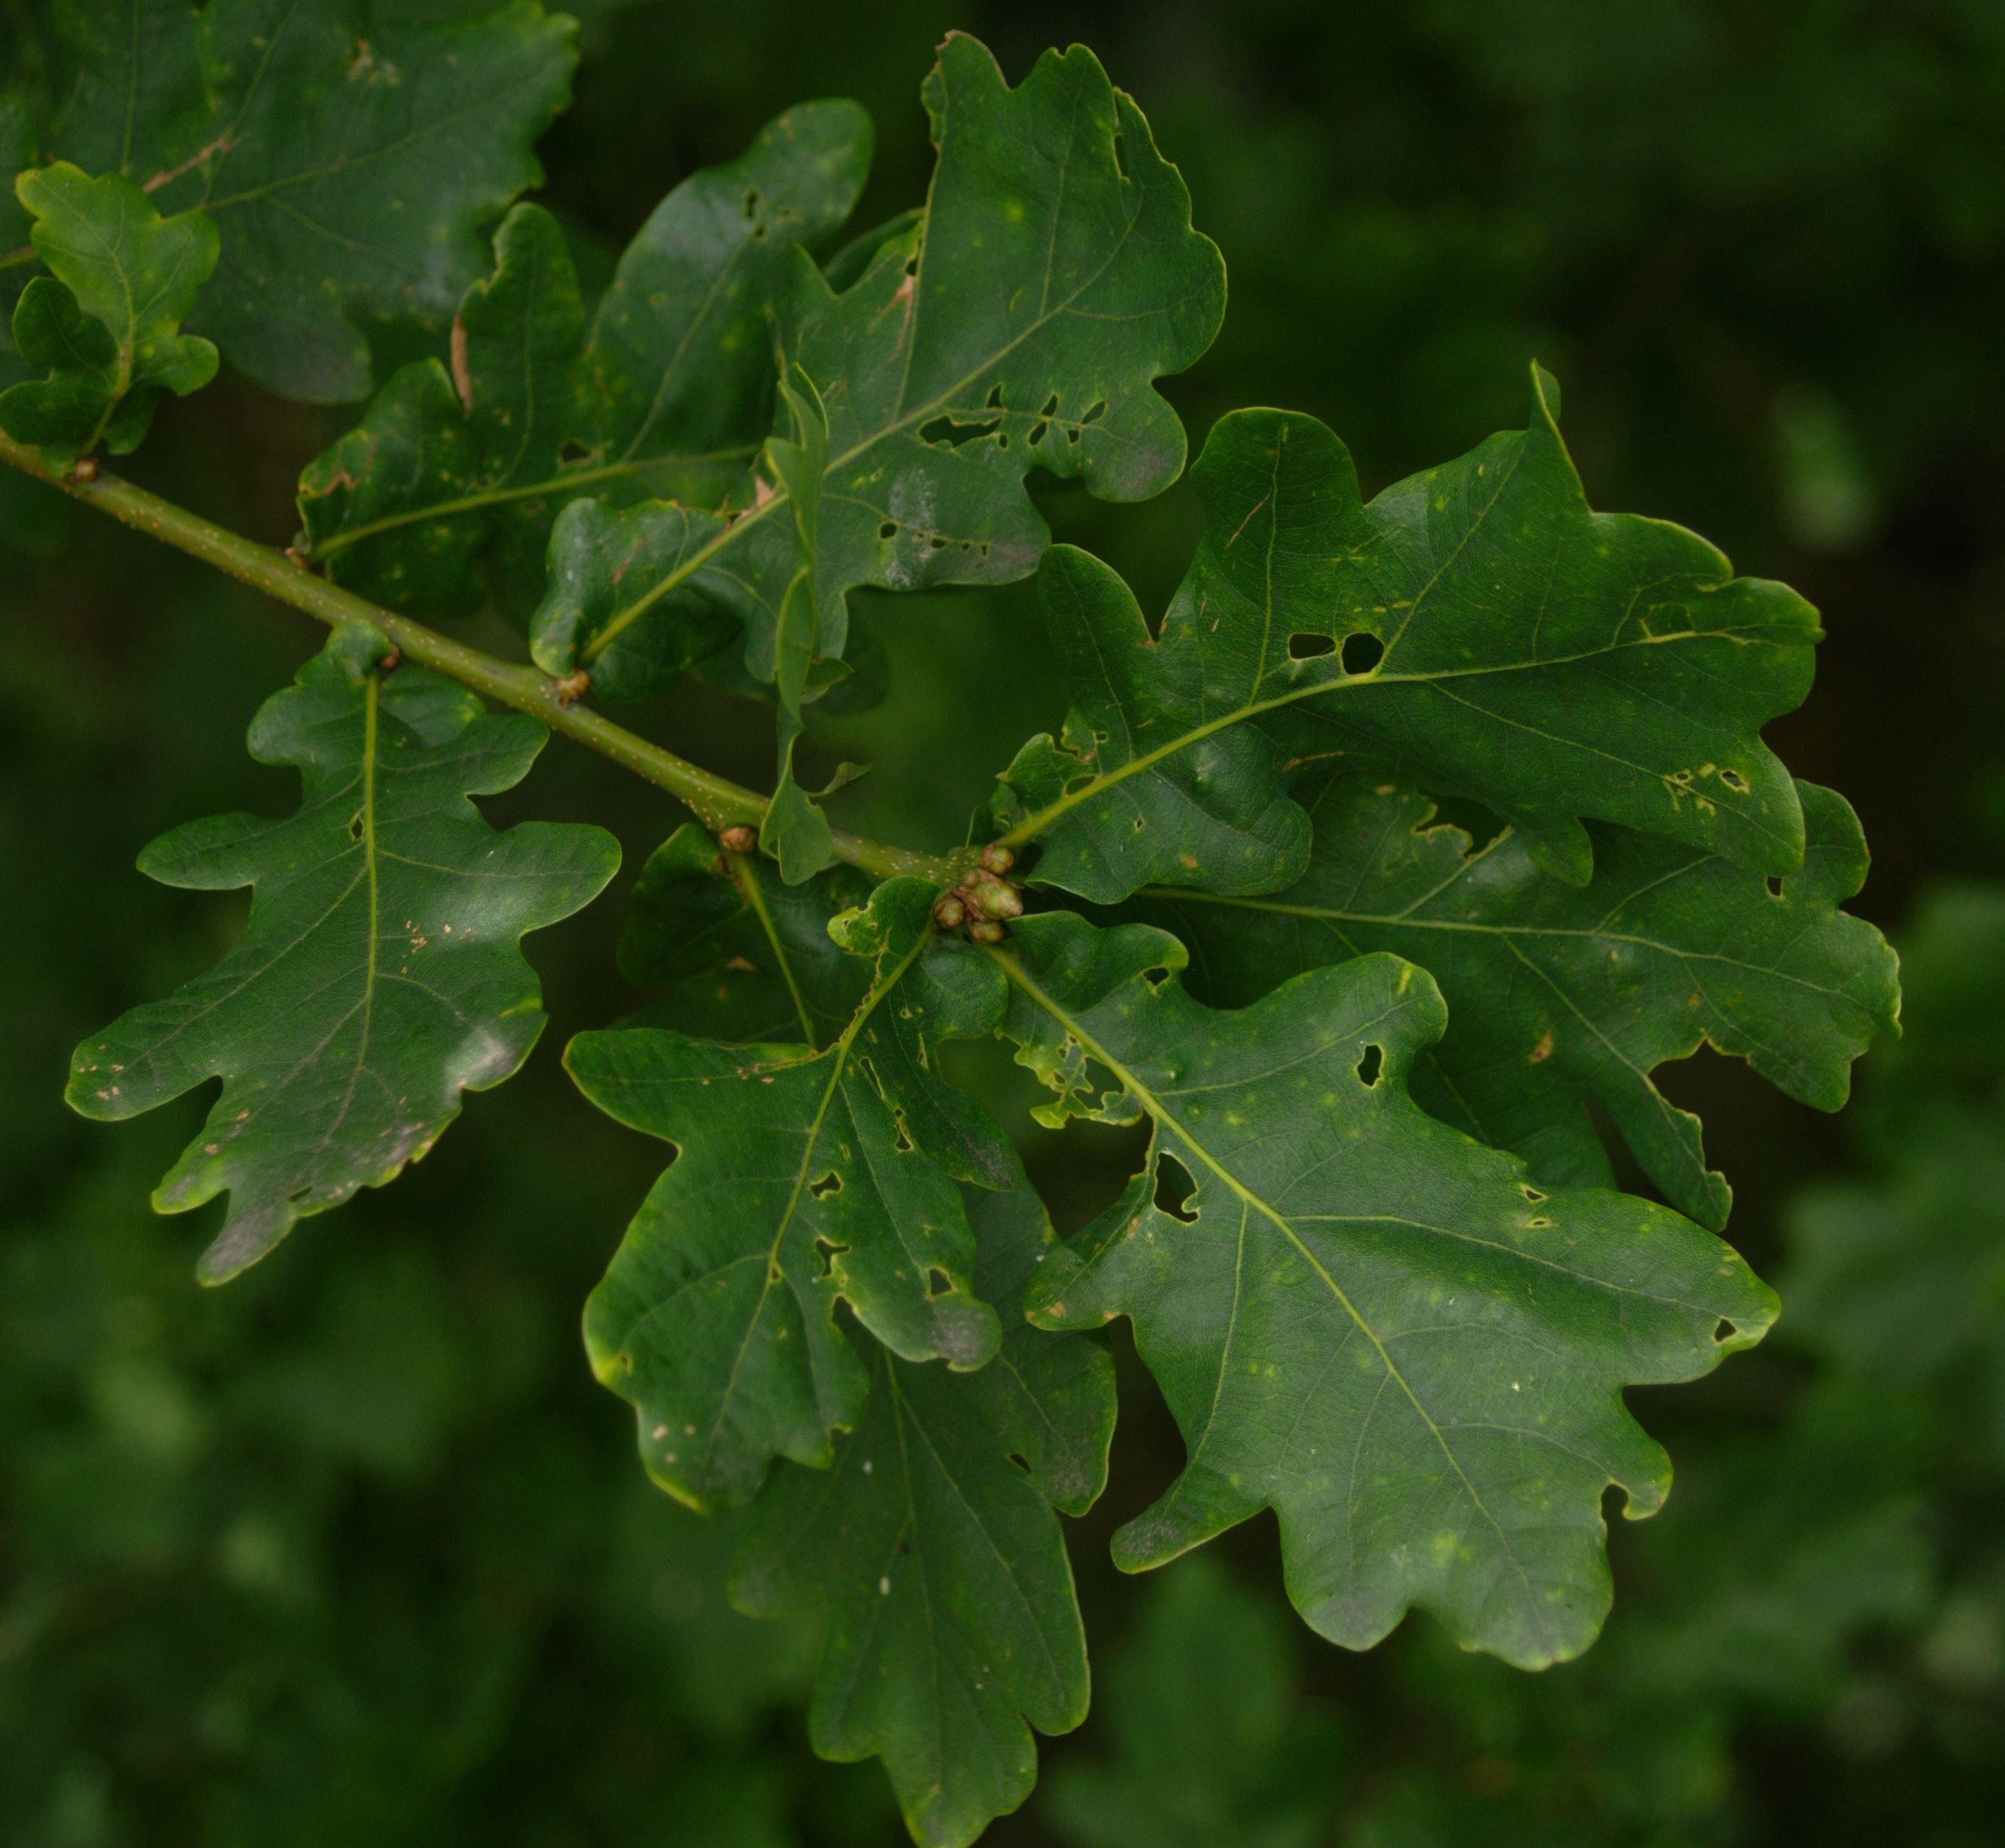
column 718, row 802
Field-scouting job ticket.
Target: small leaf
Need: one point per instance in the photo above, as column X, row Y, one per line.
column 952, row 1620
column 742, row 955
column 1561, row 994
column 346, row 159
column 1476, row 630
column 803, row 1178
column 107, row 320
column 795, row 831
column 381, row 971
column 1360, row 1318
column 671, row 393
column 1022, row 322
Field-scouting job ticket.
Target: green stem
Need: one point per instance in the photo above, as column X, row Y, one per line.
column 718, row 802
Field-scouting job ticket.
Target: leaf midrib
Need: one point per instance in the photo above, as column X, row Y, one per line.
column 907, row 1418
column 1400, row 921
column 1034, row 825
column 745, row 875
column 372, row 702
column 622, row 620
column 838, row 1055
column 1153, row 1104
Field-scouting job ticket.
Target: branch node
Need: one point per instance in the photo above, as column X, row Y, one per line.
column 737, row 839
column 571, row 688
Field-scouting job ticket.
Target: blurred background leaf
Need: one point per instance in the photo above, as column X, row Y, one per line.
column 356, row 1553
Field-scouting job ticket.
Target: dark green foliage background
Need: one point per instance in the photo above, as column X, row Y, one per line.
column 355, row 1552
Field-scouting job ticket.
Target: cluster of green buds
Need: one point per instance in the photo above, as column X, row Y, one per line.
column 983, row 900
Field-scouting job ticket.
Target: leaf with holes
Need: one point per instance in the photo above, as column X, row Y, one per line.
column 381, row 973
column 933, row 1542
column 670, row 393
column 1359, row 1317
column 347, row 159
column 1476, row 630
column 1020, row 322
column 803, row 1177
column 1558, row 994
column 106, row 319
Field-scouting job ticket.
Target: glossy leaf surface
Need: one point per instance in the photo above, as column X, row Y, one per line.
column 1476, row 630
column 1359, row 1317
column 381, row 973
column 1558, row 995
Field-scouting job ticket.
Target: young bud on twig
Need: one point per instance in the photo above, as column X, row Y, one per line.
column 997, row 860
column 949, row 913
column 737, row 839
column 992, row 898
column 986, row 930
